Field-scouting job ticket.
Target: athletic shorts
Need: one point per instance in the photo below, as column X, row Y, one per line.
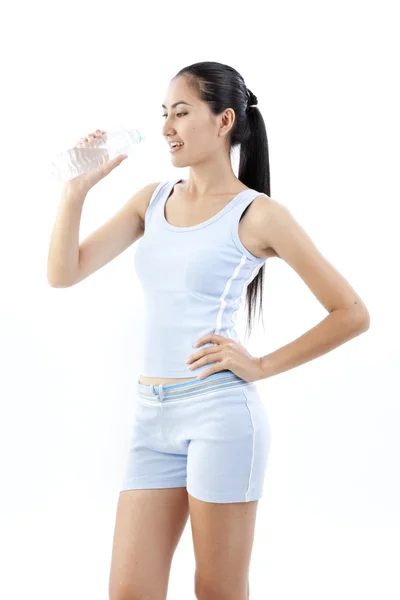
column 211, row 436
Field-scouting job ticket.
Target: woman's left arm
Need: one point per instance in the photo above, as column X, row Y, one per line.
column 348, row 316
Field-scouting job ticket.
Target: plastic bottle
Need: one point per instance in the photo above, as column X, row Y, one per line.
column 85, row 157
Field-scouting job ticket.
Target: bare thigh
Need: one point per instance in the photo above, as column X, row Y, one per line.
column 148, row 526
column 223, row 536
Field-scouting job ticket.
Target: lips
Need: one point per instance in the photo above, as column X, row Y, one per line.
column 176, row 148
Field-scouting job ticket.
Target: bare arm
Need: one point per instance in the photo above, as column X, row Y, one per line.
column 63, row 256
column 70, row 262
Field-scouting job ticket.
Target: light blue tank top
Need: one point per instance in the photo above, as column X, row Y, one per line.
column 194, row 281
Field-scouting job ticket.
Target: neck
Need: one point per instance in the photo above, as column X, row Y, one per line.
column 211, row 178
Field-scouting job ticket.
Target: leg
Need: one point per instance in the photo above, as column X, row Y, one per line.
column 149, row 524
column 223, row 535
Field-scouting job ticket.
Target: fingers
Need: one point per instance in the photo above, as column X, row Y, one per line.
column 118, row 160
column 97, row 134
column 90, row 137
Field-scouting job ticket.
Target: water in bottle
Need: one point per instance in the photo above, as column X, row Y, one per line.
column 92, row 155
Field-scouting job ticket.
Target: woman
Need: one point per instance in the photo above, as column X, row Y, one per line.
column 201, row 437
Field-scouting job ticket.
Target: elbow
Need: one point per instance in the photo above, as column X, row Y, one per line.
column 360, row 314
column 57, row 279
column 58, row 285
column 365, row 323
column 362, row 319
column 357, row 317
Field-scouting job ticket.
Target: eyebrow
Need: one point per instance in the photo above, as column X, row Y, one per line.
column 176, row 104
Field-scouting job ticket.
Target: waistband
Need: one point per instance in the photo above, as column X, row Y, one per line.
column 187, row 389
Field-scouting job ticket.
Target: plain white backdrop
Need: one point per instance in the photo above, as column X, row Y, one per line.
column 326, row 79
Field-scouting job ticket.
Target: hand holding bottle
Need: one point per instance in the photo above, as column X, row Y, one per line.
column 88, row 179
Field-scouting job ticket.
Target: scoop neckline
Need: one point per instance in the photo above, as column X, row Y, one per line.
column 204, row 223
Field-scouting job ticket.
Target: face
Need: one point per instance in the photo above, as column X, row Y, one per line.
column 202, row 133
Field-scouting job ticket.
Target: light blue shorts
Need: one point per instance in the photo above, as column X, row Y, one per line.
column 211, row 436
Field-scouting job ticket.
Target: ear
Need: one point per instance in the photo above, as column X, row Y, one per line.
column 227, row 120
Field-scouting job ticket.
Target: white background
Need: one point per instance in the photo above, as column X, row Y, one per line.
column 325, row 76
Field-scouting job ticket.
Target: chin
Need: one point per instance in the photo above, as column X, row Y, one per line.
column 181, row 163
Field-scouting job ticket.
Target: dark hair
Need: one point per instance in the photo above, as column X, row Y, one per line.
column 223, row 87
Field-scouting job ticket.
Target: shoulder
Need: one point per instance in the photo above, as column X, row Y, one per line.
column 264, row 211
column 275, row 227
column 143, row 197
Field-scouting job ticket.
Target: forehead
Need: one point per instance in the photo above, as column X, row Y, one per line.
column 178, row 92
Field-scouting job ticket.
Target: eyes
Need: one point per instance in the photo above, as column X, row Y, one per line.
column 177, row 114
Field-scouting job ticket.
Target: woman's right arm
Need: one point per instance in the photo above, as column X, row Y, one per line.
column 70, row 262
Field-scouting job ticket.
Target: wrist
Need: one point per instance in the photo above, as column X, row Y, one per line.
column 265, row 367
column 75, row 191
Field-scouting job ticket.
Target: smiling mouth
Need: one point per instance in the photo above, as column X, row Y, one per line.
column 176, row 148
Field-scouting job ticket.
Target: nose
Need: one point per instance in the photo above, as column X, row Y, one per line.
column 167, row 130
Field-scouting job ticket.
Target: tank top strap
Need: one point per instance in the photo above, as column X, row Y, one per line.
column 166, row 187
column 161, row 192
column 236, row 213
column 156, row 193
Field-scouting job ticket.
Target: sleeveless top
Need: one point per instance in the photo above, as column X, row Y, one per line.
column 194, row 281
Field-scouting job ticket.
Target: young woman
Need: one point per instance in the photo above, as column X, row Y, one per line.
column 201, row 436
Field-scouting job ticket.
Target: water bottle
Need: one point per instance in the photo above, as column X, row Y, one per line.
column 85, row 157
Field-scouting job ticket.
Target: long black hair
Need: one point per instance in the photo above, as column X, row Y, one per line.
column 223, row 87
